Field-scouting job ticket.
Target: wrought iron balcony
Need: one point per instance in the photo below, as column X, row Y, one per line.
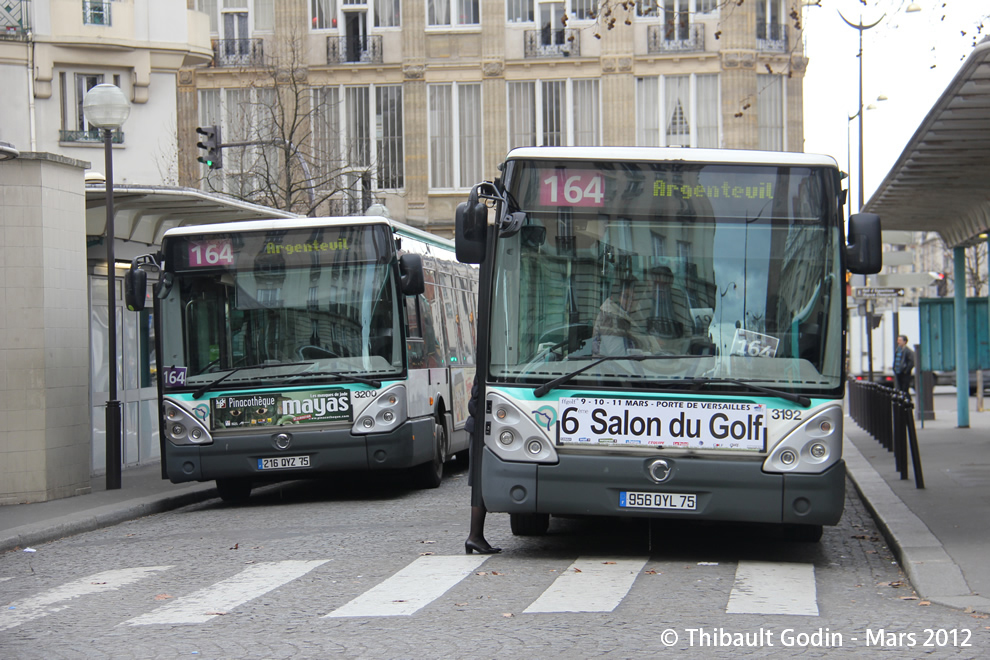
column 93, row 135
column 96, row 12
column 355, row 49
column 238, row 52
column 771, row 37
column 674, row 38
column 562, row 42
column 14, row 23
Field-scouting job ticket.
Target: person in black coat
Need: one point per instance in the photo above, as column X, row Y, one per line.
column 476, row 536
column 903, row 364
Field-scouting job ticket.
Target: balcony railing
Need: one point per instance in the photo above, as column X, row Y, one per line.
column 93, row 135
column 562, row 42
column 238, row 52
column 14, row 24
column 96, row 12
column 355, row 49
column 670, row 38
column 771, row 37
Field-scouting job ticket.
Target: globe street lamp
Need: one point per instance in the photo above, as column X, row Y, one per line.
column 106, row 108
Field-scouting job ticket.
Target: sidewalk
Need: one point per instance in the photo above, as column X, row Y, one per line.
column 940, row 533
column 143, row 492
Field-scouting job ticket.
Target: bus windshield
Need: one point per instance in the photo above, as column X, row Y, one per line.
column 701, row 272
column 274, row 304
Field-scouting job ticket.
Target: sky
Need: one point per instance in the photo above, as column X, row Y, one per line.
column 908, row 57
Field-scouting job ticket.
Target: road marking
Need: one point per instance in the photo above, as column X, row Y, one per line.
column 54, row 600
column 220, row 598
column 590, row 585
column 415, row 586
column 763, row 587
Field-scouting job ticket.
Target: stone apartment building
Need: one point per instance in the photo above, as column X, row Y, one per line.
column 408, row 103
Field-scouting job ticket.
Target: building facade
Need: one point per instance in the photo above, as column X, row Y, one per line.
column 53, row 51
column 339, row 104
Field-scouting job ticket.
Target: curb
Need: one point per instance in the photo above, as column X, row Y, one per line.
column 104, row 516
column 932, row 572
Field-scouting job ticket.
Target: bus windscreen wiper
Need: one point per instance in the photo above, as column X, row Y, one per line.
column 556, row 382
column 799, row 399
column 343, row 375
column 213, row 383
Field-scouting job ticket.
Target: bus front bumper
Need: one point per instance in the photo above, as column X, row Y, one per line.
column 725, row 490
column 239, row 455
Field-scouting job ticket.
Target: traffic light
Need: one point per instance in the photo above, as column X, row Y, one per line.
column 214, row 146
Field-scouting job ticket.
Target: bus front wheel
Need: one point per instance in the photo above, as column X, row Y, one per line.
column 234, row 490
column 529, row 524
column 803, row 533
column 430, row 474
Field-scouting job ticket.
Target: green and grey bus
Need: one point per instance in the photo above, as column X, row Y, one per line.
column 296, row 348
column 662, row 334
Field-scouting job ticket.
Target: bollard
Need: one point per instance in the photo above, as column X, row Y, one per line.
column 900, row 434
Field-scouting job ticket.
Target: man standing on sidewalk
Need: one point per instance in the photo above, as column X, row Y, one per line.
column 903, row 364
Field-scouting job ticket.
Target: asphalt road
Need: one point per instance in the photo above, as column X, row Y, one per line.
column 369, row 568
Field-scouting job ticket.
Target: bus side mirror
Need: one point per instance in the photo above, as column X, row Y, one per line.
column 135, row 288
column 471, row 231
column 864, row 254
column 411, row 274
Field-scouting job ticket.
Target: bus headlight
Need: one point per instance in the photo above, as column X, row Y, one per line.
column 812, row 447
column 514, row 435
column 181, row 427
column 385, row 413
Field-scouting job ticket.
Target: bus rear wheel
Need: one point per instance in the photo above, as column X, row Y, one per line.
column 234, row 490
column 529, row 524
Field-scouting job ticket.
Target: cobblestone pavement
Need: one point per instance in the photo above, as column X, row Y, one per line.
column 258, row 581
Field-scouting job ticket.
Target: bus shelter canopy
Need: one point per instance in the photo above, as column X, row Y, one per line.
column 940, row 181
column 142, row 214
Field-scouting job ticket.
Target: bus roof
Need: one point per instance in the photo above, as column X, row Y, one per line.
column 274, row 224
column 674, row 154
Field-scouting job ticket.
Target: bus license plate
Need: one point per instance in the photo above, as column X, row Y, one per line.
column 658, row 501
column 283, row 462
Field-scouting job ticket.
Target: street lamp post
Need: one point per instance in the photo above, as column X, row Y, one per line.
column 860, row 27
column 106, row 108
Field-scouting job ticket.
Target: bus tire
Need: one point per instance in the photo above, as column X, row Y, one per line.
column 529, row 524
column 803, row 533
column 234, row 490
column 430, row 474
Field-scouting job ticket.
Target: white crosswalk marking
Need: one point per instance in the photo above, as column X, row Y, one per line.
column 590, row 585
column 55, row 600
column 227, row 594
column 415, row 586
column 773, row 588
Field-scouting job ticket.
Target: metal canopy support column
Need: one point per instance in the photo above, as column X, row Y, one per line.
column 962, row 353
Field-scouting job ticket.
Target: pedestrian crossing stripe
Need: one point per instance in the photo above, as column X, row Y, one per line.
column 415, row 586
column 225, row 595
column 590, row 585
column 763, row 587
column 59, row 598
